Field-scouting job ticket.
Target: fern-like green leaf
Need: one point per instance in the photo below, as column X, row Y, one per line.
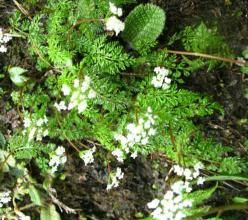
column 107, row 57
column 200, row 195
column 143, row 25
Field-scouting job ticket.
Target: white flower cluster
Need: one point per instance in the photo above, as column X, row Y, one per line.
column 4, row 39
column 57, row 159
column 136, row 134
column 35, row 128
column 113, row 23
column 115, row 177
column 79, row 95
column 87, row 155
column 190, row 174
column 161, row 80
column 22, row 216
column 4, row 198
column 172, row 206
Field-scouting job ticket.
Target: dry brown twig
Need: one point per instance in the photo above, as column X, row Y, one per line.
column 22, row 9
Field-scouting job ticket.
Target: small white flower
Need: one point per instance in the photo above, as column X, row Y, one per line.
column 87, row 156
column 115, row 179
column 45, row 120
column 161, row 70
column 149, row 109
column 119, row 173
column 82, row 106
column 157, row 214
column 76, row 83
column 131, row 127
column 198, row 166
column 187, row 203
column 27, row 122
column 45, row 133
column 39, row 122
column 178, row 187
column 179, row 216
column 167, row 80
column 115, row 10
column 21, row 216
column 31, row 134
column 60, row 106
column 109, row 186
column 153, row 204
column 147, row 124
column 92, row 94
column 54, row 161
column 188, row 174
column 151, row 132
column 156, row 83
column 114, row 24
column 118, row 154
column 60, row 150
column 187, row 187
column 161, row 80
column 6, row 38
column 169, row 195
column 200, row 180
column 177, row 199
column 178, row 170
column 84, row 86
column 66, row 89
column 3, row 49
column 72, row 105
column 144, row 141
column 134, row 154
column 63, row 159
column 196, row 174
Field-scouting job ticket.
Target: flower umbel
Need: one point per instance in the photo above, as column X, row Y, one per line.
column 114, row 24
column 114, row 179
column 4, row 198
column 79, row 94
column 136, row 133
column 58, row 158
column 4, row 39
column 35, row 127
column 161, row 80
column 87, row 155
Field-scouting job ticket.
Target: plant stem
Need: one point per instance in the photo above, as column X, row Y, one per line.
column 196, row 54
column 5, row 161
column 65, row 136
column 220, row 209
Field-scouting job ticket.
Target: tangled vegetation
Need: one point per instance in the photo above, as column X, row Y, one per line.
column 102, row 88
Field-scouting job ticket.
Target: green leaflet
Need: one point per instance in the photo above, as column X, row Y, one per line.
column 107, row 57
column 143, row 25
column 199, row 196
column 17, row 77
column 2, row 140
column 49, row 213
column 227, row 177
column 34, row 195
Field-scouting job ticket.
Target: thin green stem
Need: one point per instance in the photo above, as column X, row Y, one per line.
column 220, row 209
